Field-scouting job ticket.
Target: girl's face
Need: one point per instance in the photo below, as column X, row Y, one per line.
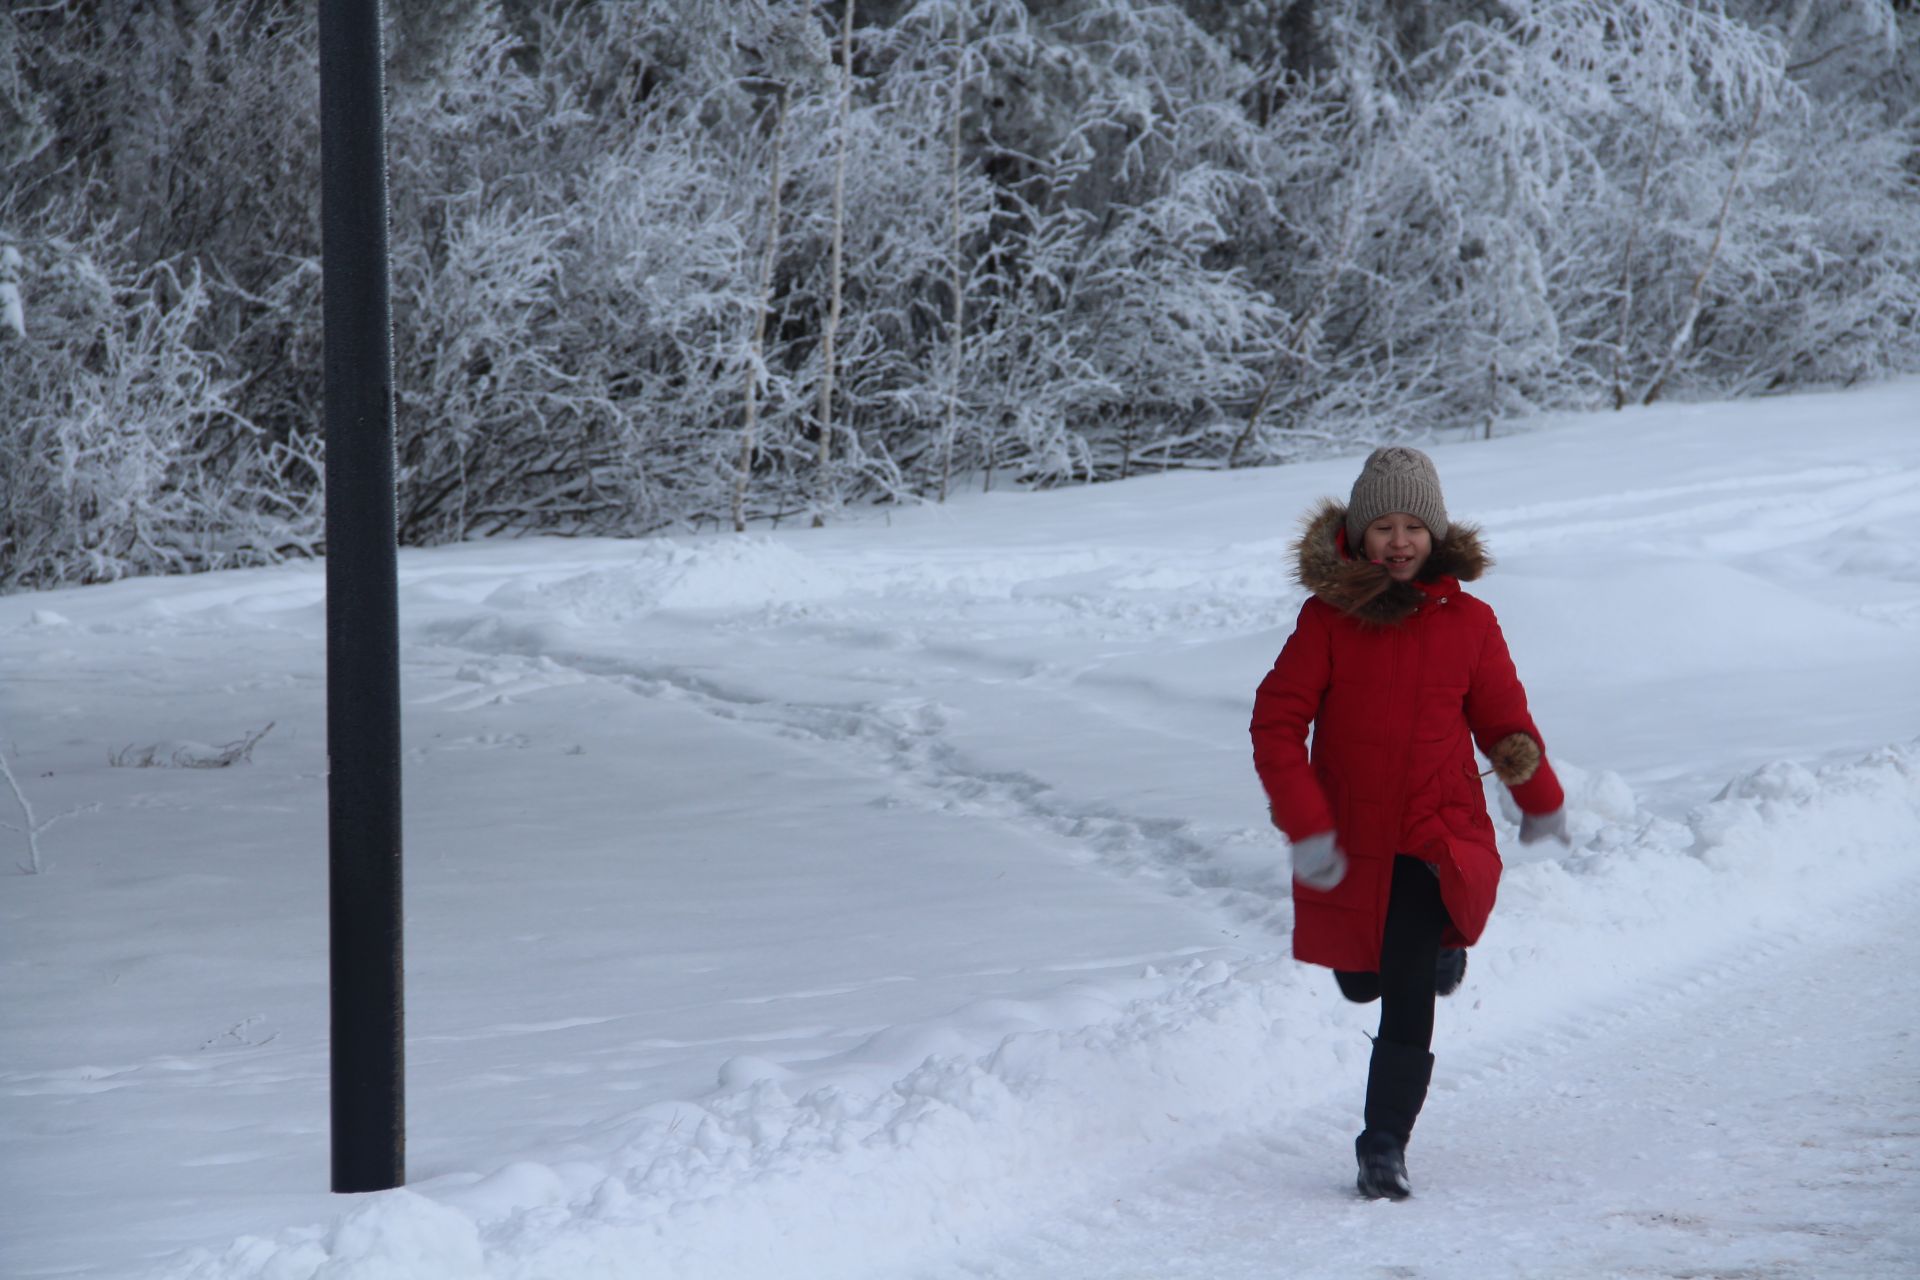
column 1400, row 543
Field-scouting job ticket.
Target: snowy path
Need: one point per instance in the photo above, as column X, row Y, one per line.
column 1756, row 1117
column 863, row 901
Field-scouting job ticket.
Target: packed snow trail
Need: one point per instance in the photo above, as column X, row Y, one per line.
column 1756, row 1117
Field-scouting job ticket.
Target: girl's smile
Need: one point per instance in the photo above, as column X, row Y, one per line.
column 1400, row 543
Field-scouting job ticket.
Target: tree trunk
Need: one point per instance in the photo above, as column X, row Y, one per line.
column 1299, row 32
column 1493, row 392
column 823, row 477
column 1683, row 335
column 1626, row 265
column 1289, row 353
column 762, row 301
column 958, row 331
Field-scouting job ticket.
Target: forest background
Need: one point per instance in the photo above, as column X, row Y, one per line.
column 673, row 264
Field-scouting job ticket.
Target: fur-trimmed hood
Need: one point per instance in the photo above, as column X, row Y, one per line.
column 1364, row 590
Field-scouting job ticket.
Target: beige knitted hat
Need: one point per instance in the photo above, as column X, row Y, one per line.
column 1396, row 478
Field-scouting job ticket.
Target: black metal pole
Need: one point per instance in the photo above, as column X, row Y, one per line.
column 363, row 613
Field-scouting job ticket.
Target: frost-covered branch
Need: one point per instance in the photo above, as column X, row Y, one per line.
column 189, row 755
column 34, row 826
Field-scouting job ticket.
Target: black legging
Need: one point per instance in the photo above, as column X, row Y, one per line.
column 1409, row 950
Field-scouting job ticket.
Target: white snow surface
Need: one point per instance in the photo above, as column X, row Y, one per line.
column 898, row 900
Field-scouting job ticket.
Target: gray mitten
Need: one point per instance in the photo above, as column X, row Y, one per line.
column 1318, row 862
column 1535, row 827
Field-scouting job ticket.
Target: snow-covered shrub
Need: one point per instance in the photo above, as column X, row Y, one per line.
column 1474, row 218
column 186, row 754
column 1827, row 290
column 120, row 451
column 1080, row 237
column 1109, row 325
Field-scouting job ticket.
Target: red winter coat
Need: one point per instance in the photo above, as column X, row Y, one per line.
column 1399, row 680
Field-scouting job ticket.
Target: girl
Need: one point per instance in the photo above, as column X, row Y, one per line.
column 1400, row 673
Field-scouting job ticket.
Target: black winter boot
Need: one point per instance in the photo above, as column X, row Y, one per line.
column 1397, row 1080
column 1383, row 1166
column 1450, row 970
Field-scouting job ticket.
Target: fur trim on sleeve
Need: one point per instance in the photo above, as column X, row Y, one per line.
column 1516, row 758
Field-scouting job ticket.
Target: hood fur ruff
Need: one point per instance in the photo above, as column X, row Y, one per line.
column 1364, row 590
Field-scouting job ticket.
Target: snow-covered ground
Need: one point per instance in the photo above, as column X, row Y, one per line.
column 897, row 899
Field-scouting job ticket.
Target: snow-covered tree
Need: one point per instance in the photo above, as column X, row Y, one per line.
column 685, row 263
column 120, row 450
